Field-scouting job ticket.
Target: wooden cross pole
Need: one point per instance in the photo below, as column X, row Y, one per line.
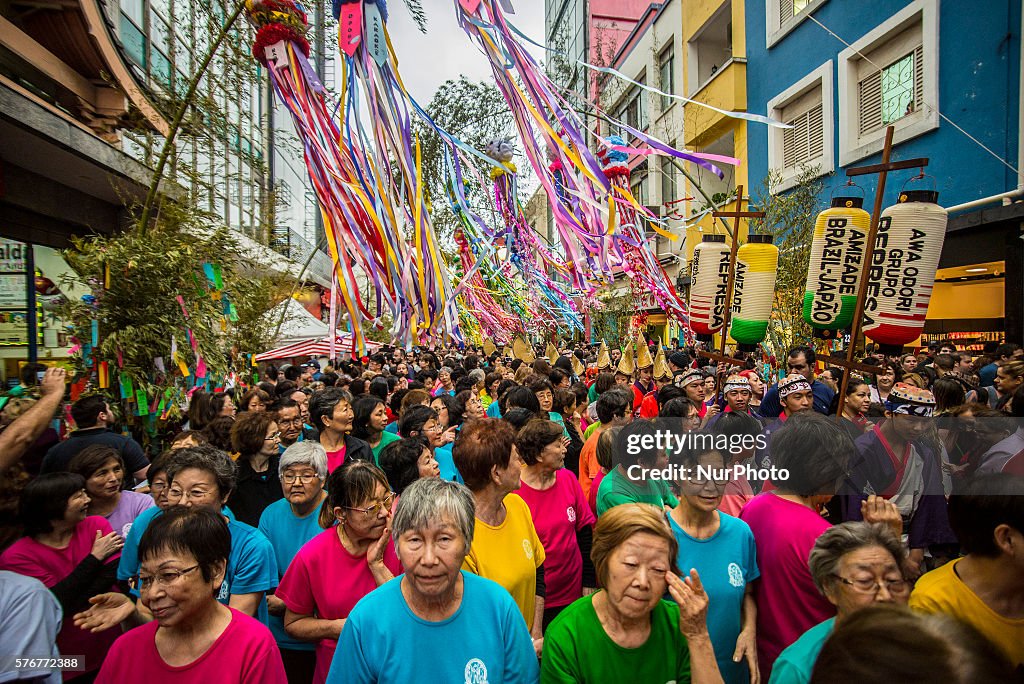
column 736, row 215
column 882, row 170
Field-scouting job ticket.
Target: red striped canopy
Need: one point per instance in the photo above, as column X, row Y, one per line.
column 316, row 347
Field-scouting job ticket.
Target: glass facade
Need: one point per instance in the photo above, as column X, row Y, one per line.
column 221, row 151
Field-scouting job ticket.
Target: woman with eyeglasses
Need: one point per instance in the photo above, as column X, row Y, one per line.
column 289, row 524
column 349, row 559
column 854, row 565
column 256, row 438
column 74, row 554
column 721, row 548
column 193, row 637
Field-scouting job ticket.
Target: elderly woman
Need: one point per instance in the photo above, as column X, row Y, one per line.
column 185, row 554
column 406, row 461
column 330, row 411
column 422, row 422
column 626, row 632
column 288, row 524
column 721, row 548
column 561, row 515
column 854, row 565
column 370, row 417
column 469, row 406
column 103, row 470
column 505, row 547
column 72, row 553
column 631, row 480
column 471, row 626
column 200, row 477
column 342, row 564
column 255, row 438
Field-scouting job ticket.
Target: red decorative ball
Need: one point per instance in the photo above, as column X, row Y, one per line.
column 275, row 33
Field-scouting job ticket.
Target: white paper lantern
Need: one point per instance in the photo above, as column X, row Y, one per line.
column 709, row 286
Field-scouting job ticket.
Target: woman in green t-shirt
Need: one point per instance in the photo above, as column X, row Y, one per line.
column 626, row 632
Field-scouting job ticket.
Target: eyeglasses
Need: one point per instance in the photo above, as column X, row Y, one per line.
column 372, row 510
column 273, row 438
column 168, row 577
column 435, row 428
column 871, row 586
column 194, row 495
column 304, row 478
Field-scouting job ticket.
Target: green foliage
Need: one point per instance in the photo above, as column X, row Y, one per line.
column 419, row 15
column 475, row 113
column 789, row 216
column 611, row 322
column 139, row 313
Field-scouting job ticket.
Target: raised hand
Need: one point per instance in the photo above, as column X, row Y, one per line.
column 103, row 547
column 878, row 509
column 53, row 381
column 692, row 600
column 106, row 611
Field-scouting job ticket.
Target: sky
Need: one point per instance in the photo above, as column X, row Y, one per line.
column 425, row 62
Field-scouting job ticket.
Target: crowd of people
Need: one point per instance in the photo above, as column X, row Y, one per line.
column 467, row 515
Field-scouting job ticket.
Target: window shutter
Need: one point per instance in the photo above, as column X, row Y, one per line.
column 785, row 11
column 815, row 133
column 869, row 103
column 918, row 78
column 805, row 141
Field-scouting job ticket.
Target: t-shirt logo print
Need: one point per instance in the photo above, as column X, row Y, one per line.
column 735, row 575
column 476, row 672
column 570, row 512
column 528, row 548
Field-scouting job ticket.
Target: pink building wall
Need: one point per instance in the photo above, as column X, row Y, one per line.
column 611, row 22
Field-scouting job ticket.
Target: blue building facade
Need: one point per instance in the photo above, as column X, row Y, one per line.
column 840, row 71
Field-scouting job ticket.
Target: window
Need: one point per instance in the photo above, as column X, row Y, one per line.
column 639, row 188
column 666, row 75
column 889, row 76
column 668, row 180
column 631, row 110
column 710, row 49
column 806, row 107
column 782, row 16
column 133, row 40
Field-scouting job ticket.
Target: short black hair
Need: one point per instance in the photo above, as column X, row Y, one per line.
column 45, row 499
column 1006, row 350
column 200, row 532
column 677, row 408
column 809, row 355
column 815, row 450
column 362, row 408
column 989, row 501
column 413, row 420
column 400, row 462
column 86, row 411
column 613, row 403
column 322, row 404
column 292, row 373
column 734, row 424
column 519, row 396
column 668, row 393
column 286, row 388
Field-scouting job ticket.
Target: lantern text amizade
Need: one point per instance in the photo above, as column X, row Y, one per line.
column 834, row 271
column 753, row 291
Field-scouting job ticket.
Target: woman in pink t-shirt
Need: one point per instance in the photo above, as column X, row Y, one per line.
column 75, row 556
column 560, row 513
column 193, row 637
column 343, row 563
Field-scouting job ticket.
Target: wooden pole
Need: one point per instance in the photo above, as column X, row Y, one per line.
column 862, row 290
column 732, row 269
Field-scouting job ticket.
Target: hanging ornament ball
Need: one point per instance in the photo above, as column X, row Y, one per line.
column 613, row 162
column 903, row 264
column 499, row 149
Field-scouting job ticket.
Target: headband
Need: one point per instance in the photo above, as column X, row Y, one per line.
column 736, row 383
column 689, row 377
column 793, row 383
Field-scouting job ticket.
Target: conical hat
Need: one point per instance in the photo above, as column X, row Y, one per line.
column 604, row 359
column 508, row 352
column 522, row 350
column 661, row 369
column 626, row 365
column 489, row 347
column 552, row 353
column 643, row 353
column 577, row 366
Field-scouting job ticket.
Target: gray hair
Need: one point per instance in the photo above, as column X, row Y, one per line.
column 307, row 453
column 445, row 369
column 209, row 458
column 428, row 501
column 477, row 375
column 839, row 540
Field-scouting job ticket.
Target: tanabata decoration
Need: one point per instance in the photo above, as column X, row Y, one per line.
column 834, row 271
column 903, row 264
column 604, row 359
column 581, row 196
column 753, row 291
column 369, row 185
column 522, row 350
column 709, row 286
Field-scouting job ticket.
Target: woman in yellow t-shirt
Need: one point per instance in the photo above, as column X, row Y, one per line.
column 506, row 548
